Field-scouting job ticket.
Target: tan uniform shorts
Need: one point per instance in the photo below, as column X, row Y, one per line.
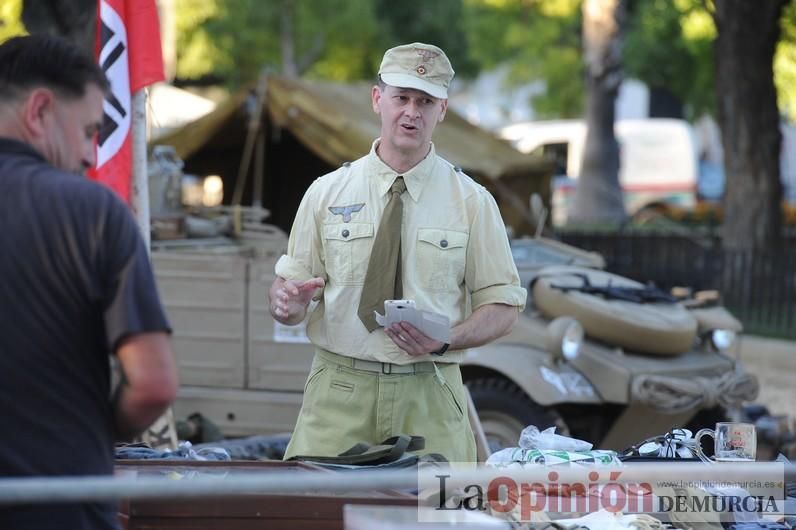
column 347, row 401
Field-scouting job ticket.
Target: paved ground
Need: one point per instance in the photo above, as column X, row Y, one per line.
column 774, row 363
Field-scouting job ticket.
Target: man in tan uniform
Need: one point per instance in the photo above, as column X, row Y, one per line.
column 368, row 383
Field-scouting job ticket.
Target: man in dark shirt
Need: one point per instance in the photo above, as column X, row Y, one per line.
column 75, row 286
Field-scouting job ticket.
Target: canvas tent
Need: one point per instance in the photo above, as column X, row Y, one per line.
column 310, row 128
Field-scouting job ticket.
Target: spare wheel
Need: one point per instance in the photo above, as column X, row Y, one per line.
column 661, row 328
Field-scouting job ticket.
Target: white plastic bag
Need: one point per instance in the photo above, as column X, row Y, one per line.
column 531, row 438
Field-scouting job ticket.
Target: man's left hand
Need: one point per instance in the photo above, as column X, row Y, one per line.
column 411, row 340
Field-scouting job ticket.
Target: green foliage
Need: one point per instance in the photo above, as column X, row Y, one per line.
column 197, row 53
column 438, row 23
column 785, row 64
column 540, row 40
column 669, row 43
column 234, row 39
column 666, row 45
column 659, row 51
column 11, row 19
column 354, row 39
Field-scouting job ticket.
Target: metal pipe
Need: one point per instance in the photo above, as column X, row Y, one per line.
column 107, row 488
column 163, row 433
column 139, row 196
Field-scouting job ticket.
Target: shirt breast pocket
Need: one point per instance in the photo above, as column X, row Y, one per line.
column 347, row 249
column 441, row 257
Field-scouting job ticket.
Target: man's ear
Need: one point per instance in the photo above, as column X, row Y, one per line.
column 37, row 111
column 444, row 109
column 375, row 97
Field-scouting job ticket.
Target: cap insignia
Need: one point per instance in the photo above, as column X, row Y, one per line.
column 426, row 55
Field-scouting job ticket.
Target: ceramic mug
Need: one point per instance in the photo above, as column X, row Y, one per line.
column 732, row 442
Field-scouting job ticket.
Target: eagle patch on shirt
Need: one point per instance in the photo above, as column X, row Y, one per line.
column 346, row 211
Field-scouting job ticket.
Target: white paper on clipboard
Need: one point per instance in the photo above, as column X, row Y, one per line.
column 433, row 325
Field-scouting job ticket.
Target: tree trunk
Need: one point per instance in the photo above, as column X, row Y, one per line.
column 288, row 41
column 598, row 196
column 749, row 119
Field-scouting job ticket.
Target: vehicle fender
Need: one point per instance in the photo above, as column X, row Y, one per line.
column 545, row 382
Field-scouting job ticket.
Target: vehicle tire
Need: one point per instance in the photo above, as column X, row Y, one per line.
column 505, row 410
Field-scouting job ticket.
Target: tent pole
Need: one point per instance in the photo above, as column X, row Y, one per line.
column 255, row 118
column 259, row 165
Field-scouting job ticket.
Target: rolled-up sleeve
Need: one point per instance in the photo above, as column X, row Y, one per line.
column 304, row 258
column 491, row 275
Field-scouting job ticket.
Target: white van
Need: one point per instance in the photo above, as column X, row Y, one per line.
column 658, row 159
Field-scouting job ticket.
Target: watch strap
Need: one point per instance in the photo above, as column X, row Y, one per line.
column 442, row 350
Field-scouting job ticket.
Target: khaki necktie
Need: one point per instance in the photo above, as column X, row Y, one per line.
column 383, row 279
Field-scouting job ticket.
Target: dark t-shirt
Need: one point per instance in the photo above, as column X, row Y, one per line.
column 75, row 279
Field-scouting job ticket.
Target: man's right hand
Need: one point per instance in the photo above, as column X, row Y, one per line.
column 289, row 298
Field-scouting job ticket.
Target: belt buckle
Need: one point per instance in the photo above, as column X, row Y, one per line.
column 386, row 368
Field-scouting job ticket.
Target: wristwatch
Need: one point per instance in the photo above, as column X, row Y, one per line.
column 441, row 350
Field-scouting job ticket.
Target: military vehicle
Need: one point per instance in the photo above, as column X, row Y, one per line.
column 641, row 369
column 645, row 363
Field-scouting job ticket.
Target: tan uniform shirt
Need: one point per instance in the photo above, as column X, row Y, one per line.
column 455, row 252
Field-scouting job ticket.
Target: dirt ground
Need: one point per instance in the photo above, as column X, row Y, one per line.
column 774, row 363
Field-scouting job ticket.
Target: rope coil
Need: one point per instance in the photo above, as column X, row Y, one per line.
column 673, row 395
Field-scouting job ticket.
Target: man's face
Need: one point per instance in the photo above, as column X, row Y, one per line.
column 408, row 117
column 71, row 129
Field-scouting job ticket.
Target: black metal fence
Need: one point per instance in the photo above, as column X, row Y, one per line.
column 759, row 288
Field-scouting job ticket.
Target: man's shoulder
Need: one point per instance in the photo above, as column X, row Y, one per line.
column 83, row 191
column 67, row 195
column 50, row 183
column 346, row 171
column 457, row 174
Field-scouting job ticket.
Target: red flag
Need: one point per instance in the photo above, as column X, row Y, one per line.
column 129, row 52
